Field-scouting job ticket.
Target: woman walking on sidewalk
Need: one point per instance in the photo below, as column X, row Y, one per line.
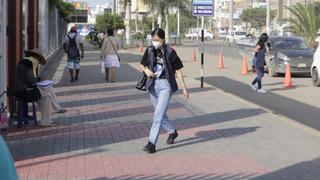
column 109, row 54
column 259, row 61
column 160, row 63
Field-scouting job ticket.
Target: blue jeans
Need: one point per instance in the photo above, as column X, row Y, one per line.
column 260, row 74
column 160, row 95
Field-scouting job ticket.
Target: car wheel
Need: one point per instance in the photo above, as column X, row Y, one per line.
column 272, row 69
column 315, row 77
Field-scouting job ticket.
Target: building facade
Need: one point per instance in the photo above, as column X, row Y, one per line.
column 3, row 51
column 26, row 24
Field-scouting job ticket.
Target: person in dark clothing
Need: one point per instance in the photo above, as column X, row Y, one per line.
column 25, row 86
column 160, row 63
column 259, row 61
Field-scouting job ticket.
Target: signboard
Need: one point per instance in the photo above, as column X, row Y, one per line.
column 202, row 8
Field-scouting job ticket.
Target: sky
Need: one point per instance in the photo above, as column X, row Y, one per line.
column 93, row 3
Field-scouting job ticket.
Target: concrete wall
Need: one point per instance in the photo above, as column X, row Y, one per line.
column 3, row 49
column 52, row 30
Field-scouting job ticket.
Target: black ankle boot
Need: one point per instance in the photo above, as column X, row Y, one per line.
column 171, row 137
column 150, row 148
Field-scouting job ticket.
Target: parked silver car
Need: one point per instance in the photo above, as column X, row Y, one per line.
column 292, row 50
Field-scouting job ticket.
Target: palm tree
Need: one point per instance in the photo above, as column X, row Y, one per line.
column 306, row 21
column 127, row 7
column 162, row 8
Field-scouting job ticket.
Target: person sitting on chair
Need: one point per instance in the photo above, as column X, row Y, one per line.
column 25, row 87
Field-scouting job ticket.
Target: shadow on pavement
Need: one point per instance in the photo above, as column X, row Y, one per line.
column 295, row 86
column 90, row 74
column 84, row 134
column 99, row 100
column 295, row 110
column 308, row 170
column 182, row 176
column 204, row 136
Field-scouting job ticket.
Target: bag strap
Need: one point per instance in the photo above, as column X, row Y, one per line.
column 73, row 37
column 113, row 47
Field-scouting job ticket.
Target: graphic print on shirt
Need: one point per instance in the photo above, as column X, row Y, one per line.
column 159, row 65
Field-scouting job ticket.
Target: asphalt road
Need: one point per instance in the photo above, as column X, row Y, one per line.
column 295, row 110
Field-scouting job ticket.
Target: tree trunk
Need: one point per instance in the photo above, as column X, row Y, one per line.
column 137, row 12
column 153, row 23
column 167, row 26
column 127, row 22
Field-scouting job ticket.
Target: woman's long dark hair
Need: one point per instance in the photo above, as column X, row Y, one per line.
column 159, row 32
column 110, row 32
column 263, row 39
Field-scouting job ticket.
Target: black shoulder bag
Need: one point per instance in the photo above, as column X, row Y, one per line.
column 141, row 84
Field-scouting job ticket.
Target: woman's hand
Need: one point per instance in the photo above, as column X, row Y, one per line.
column 185, row 93
column 149, row 73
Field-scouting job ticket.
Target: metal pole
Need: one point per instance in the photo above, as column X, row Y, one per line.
column 178, row 25
column 202, row 53
column 231, row 17
column 268, row 17
column 280, row 9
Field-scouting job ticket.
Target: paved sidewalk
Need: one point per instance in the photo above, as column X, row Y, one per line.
column 102, row 134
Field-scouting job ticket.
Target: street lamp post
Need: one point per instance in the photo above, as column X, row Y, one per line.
column 178, row 25
column 280, row 9
column 231, row 17
column 176, row 10
column 268, row 17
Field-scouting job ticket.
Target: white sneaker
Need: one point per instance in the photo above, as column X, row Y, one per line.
column 262, row 91
column 253, row 87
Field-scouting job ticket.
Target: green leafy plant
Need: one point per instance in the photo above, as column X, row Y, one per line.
column 256, row 17
column 107, row 20
column 307, row 20
column 65, row 9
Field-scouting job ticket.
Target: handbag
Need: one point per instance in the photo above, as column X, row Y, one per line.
column 102, row 67
column 141, row 84
column 31, row 94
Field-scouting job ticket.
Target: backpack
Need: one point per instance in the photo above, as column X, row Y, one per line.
column 72, row 48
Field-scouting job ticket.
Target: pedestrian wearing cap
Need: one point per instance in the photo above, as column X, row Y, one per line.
column 72, row 46
column 25, row 87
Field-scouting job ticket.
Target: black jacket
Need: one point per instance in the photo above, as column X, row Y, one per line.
column 24, row 77
column 169, row 68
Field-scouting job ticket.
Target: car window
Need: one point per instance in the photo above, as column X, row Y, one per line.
column 241, row 33
column 290, row 44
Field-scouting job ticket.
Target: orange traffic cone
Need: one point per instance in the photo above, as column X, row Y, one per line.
column 194, row 58
column 220, row 65
column 141, row 48
column 287, row 78
column 245, row 69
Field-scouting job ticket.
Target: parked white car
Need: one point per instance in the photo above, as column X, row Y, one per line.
column 207, row 35
column 315, row 67
column 191, row 35
column 234, row 37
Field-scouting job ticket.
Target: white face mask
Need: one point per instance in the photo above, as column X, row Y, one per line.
column 156, row 44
